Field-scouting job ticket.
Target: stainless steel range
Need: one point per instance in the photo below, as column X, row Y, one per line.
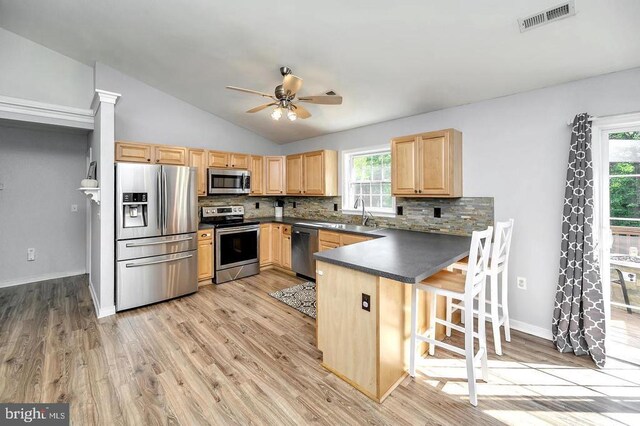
column 236, row 243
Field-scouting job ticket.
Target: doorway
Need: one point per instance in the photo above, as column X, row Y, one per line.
column 619, row 248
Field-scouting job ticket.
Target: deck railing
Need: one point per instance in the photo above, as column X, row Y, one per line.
column 625, row 237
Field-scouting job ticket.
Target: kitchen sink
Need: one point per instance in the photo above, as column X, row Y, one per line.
column 340, row 226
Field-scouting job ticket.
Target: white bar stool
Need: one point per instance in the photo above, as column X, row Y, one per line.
column 498, row 276
column 459, row 287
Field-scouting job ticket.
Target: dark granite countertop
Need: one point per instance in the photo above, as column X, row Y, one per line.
column 405, row 256
column 400, row 255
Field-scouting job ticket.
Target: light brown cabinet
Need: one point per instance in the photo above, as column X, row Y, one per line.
column 133, row 152
column 427, row 164
column 274, row 175
column 239, row 161
column 197, row 158
column 205, row 255
column 172, row 155
column 265, row 244
column 275, row 245
column 294, row 174
column 218, row 159
column 313, row 173
column 256, row 167
column 328, row 240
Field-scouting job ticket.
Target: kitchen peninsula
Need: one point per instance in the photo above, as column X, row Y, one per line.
column 364, row 304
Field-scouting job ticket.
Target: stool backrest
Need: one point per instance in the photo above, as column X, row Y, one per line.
column 501, row 246
column 478, row 260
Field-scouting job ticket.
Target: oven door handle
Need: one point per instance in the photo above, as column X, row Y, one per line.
column 221, row 231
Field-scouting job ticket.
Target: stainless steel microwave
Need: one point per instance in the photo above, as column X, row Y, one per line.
column 228, row 181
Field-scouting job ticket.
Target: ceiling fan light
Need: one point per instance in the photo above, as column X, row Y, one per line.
column 276, row 114
column 292, row 115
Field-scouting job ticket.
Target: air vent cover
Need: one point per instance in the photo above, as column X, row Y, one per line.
column 561, row 11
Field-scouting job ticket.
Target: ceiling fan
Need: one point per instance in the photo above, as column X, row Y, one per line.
column 286, row 98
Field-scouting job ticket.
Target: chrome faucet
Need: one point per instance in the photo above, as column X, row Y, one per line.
column 365, row 218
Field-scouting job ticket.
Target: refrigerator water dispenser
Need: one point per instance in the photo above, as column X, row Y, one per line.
column 135, row 209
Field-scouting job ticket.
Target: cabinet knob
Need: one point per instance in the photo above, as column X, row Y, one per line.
column 148, row 159
column 420, row 191
column 415, row 190
column 226, row 165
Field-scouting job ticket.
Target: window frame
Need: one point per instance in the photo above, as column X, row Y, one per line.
column 346, row 156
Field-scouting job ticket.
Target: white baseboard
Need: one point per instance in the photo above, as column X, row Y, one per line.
column 100, row 312
column 532, row 329
column 43, row 277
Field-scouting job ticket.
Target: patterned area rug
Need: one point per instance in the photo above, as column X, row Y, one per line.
column 301, row 297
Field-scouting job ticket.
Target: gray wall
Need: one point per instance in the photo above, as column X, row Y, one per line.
column 31, row 71
column 41, row 171
column 146, row 114
column 515, row 150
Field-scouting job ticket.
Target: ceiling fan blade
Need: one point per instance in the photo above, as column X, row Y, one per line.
column 255, row 92
column 291, row 84
column 302, row 112
column 322, row 99
column 261, row 107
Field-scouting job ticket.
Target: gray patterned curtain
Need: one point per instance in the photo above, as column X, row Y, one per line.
column 578, row 317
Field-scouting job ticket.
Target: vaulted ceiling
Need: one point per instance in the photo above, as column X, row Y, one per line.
column 387, row 59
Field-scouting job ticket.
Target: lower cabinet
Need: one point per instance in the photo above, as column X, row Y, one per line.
column 205, row 255
column 329, row 240
column 275, row 245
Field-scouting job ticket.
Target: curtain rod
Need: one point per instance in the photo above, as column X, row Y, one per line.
column 591, row 118
column 631, row 115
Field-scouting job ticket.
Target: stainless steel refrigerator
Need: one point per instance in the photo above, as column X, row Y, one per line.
column 156, row 225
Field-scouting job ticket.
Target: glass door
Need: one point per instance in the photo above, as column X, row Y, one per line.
column 236, row 246
column 622, row 261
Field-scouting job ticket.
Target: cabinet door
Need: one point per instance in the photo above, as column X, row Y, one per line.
column 403, row 166
column 239, row 161
column 276, row 241
column 265, row 244
column 325, row 245
column 175, row 155
column 205, row 255
column 313, row 173
column 218, row 159
column 434, row 165
column 133, row 152
column 294, row 174
column 286, row 251
column 256, row 167
column 197, row 159
column 348, row 239
column 274, row 178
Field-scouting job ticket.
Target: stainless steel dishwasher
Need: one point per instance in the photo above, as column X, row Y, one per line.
column 304, row 242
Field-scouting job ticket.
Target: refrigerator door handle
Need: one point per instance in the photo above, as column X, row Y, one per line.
column 164, row 202
column 159, row 185
column 135, row 265
column 158, row 242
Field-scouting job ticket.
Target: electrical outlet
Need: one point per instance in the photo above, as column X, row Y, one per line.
column 522, row 283
column 257, row 205
column 366, row 302
column 1, row 186
column 294, row 204
column 335, row 207
column 74, row 207
column 437, row 212
column 31, row 254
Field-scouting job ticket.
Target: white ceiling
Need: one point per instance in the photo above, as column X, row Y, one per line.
column 388, row 59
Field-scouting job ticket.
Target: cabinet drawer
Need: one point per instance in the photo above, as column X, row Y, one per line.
column 353, row 239
column 329, row 237
column 205, row 234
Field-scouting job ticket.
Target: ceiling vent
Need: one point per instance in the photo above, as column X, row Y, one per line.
column 561, row 11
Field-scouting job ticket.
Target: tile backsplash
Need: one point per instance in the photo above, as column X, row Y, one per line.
column 459, row 216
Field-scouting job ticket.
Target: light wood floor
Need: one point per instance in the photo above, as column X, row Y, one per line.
column 231, row 354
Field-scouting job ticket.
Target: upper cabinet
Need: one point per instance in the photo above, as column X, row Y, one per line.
column 174, row 155
column 294, row 174
column 313, row 173
column 197, row 158
column 134, row 152
column 427, row 164
column 256, row 167
column 228, row 160
column 274, row 175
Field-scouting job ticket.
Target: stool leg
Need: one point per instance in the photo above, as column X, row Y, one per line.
column 468, row 350
column 414, row 329
column 448, row 329
column 432, row 323
column 495, row 318
column 505, row 304
column 482, row 334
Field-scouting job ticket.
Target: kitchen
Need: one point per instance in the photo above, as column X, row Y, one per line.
column 323, row 257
